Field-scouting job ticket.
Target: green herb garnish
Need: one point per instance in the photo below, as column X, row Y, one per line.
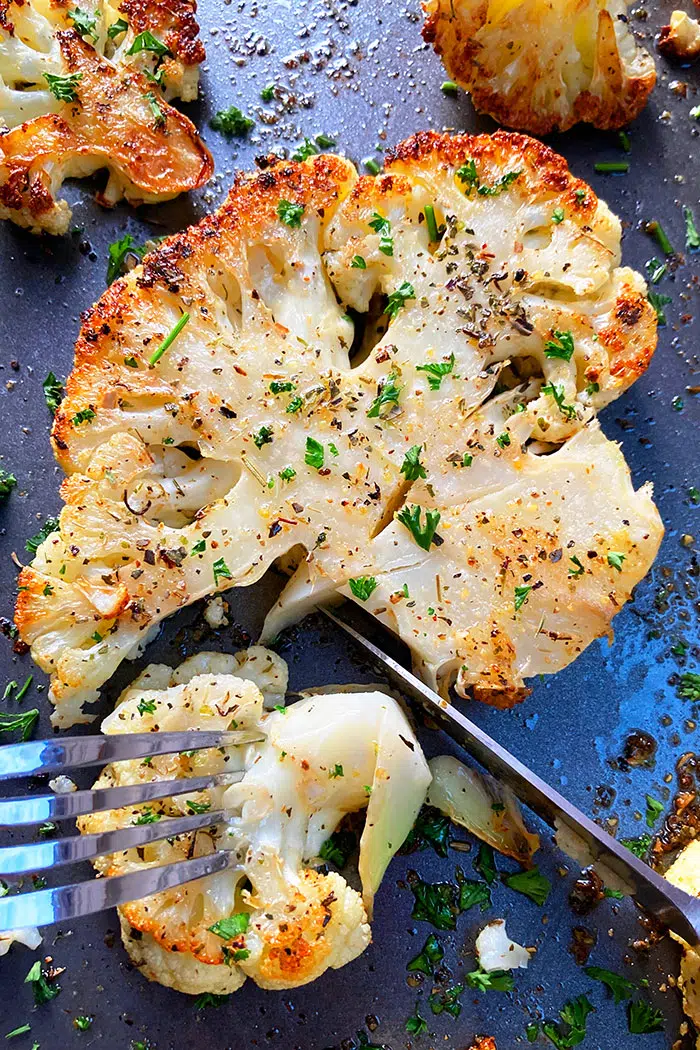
column 338, row 848
column 612, row 167
column 382, row 226
column 117, row 28
column 53, row 392
column 561, row 346
column 689, row 686
column 221, row 571
column 416, row 1025
column 234, row 926
column 50, row 525
column 446, row 1000
column 146, row 707
column 63, row 88
column 435, row 902
column 620, row 987
column 424, row 535
column 485, row 863
column 491, row 981
column 83, row 23
column 436, row 371
column 532, row 884
column 428, row 958
column 154, row 106
column 692, row 237
column 658, row 302
column 556, row 390
column 44, row 991
column 85, row 415
column 398, row 299
column 639, row 845
column 615, row 560
column 643, row 1018
column 358, row 263
column 7, row 483
column 412, row 468
column 472, row 892
column 388, row 396
column 521, row 596
column 654, row 811
column 290, row 214
column 362, row 587
column 169, row 339
column 314, row 454
column 146, row 41
column 25, row 723
column 557, row 216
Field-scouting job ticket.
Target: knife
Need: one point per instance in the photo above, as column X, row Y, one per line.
column 676, row 909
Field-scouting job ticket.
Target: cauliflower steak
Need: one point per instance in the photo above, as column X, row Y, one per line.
column 437, row 459
column 85, row 88
column 270, row 916
column 543, row 65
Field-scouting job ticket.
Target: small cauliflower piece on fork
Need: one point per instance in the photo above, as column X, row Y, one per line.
column 83, row 89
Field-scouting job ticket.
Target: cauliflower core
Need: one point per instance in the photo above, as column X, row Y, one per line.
column 438, row 461
column 543, row 65
column 305, row 768
column 84, row 88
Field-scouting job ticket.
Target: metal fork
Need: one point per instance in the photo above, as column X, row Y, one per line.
column 41, row 757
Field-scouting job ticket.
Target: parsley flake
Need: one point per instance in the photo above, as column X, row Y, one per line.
column 290, row 214
column 531, row 884
column 63, row 88
column 561, row 346
column 50, row 525
column 398, row 299
column 654, row 811
column 388, row 396
column 521, row 596
column 643, row 1018
column 615, row 560
column 428, row 958
column 382, row 226
column 7, row 483
column 234, row 926
column 314, row 455
column 424, row 535
column 620, row 987
column 146, row 41
column 412, row 468
column 436, row 371
column 491, row 981
column 362, row 587
column 221, row 571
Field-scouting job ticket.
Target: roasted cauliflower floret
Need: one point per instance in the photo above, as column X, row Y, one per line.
column 681, row 37
column 685, row 873
column 84, row 88
column 543, row 65
column 213, row 423
column 270, row 915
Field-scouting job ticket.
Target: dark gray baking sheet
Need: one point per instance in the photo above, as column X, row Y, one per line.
column 359, row 71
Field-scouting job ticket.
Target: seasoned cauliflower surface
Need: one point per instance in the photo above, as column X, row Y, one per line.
column 304, row 767
column 438, row 461
column 543, row 65
column 84, row 88
column 685, row 873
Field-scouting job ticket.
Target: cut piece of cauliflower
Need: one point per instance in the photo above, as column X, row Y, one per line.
column 543, row 65
column 304, row 768
column 28, row 935
column 685, row 873
column 446, row 479
column 496, row 951
column 681, row 37
column 86, row 88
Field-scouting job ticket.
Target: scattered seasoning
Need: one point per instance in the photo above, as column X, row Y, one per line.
column 85, row 415
column 362, row 587
column 50, row 525
column 232, row 927
column 620, row 987
column 521, row 596
column 221, row 571
column 694, row 113
column 491, row 981
column 692, row 237
column 424, row 535
column 169, row 339
column 7, row 483
column 656, row 230
column 388, row 395
column 290, row 214
column 612, row 167
column 25, row 723
column 44, row 991
column 531, row 884
column 448, row 87
column 63, row 88
column 338, row 848
column 677, row 403
column 436, row 371
column 294, row 405
column 53, row 393
column 428, row 958
column 262, row 437
column 382, row 226
column 412, row 468
column 358, row 263
column 287, row 473
column 639, row 845
column 372, row 166
column 556, row 390
column 561, row 346
column 643, row 1018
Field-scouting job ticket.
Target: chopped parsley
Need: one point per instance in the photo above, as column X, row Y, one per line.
column 7, row 483
column 578, row 570
column 412, row 468
column 692, row 237
column 574, row 1014
column 25, row 722
column 50, row 525
column 336, row 771
column 556, row 390
column 231, row 122
column 358, row 263
column 689, row 686
column 531, row 884
column 262, row 437
column 83, row 23
column 472, row 892
column 654, row 811
column 63, row 88
column 53, row 392
column 388, row 395
column 117, row 254
column 398, row 299
column 485, row 863
column 278, row 386
column 117, row 28
column 615, row 560
column 448, row 87
column 656, row 269
column 521, row 596
column 83, row 1023
column 557, row 216
column 424, row 535
column 620, row 987
column 303, row 152
column 146, row 707
column 85, row 415
column 44, row 991
column 416, row 1025
column 531, row 1032
column 148, row 816
column 639, row 845
column 431, row 828
column 210, row 999
column 287, row 473
column 338, row 848
column 382, row 226
column 290, row 214
column 294, row 405
column 362, row 587
column 658, row 301
column 428, row 958
column 643, row 1018
column 268, row 93
column 435, row 902
column 314, row 454
column 491, row 981
column 197, row 807
column 146, row 41
column 221, row 571
column 199, row 547
column 503, row 440
column 469, row 176
column 234, row 926
column 169, row 339
column 561, row 346
column 617, row 895
column 446, row 1000
column 436, row 371
column 154, row 106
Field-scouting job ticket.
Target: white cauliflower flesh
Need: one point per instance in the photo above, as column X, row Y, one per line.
column 28, row 935
column 680, row 39
column 87, row 87
column 270, row 916
column 685, row 873
column 543, row 65
column 452, row 479
column 496, row 951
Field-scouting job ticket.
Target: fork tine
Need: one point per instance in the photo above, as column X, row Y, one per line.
column 36, row 757
column 34, row 810
column 36, row 856
column 83, row 898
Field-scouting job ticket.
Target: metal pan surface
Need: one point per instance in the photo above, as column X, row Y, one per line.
column 359, row 72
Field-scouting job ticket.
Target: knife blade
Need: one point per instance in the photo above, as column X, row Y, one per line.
column 676, row 909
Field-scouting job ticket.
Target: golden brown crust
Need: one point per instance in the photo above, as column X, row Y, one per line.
column 182, row 38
